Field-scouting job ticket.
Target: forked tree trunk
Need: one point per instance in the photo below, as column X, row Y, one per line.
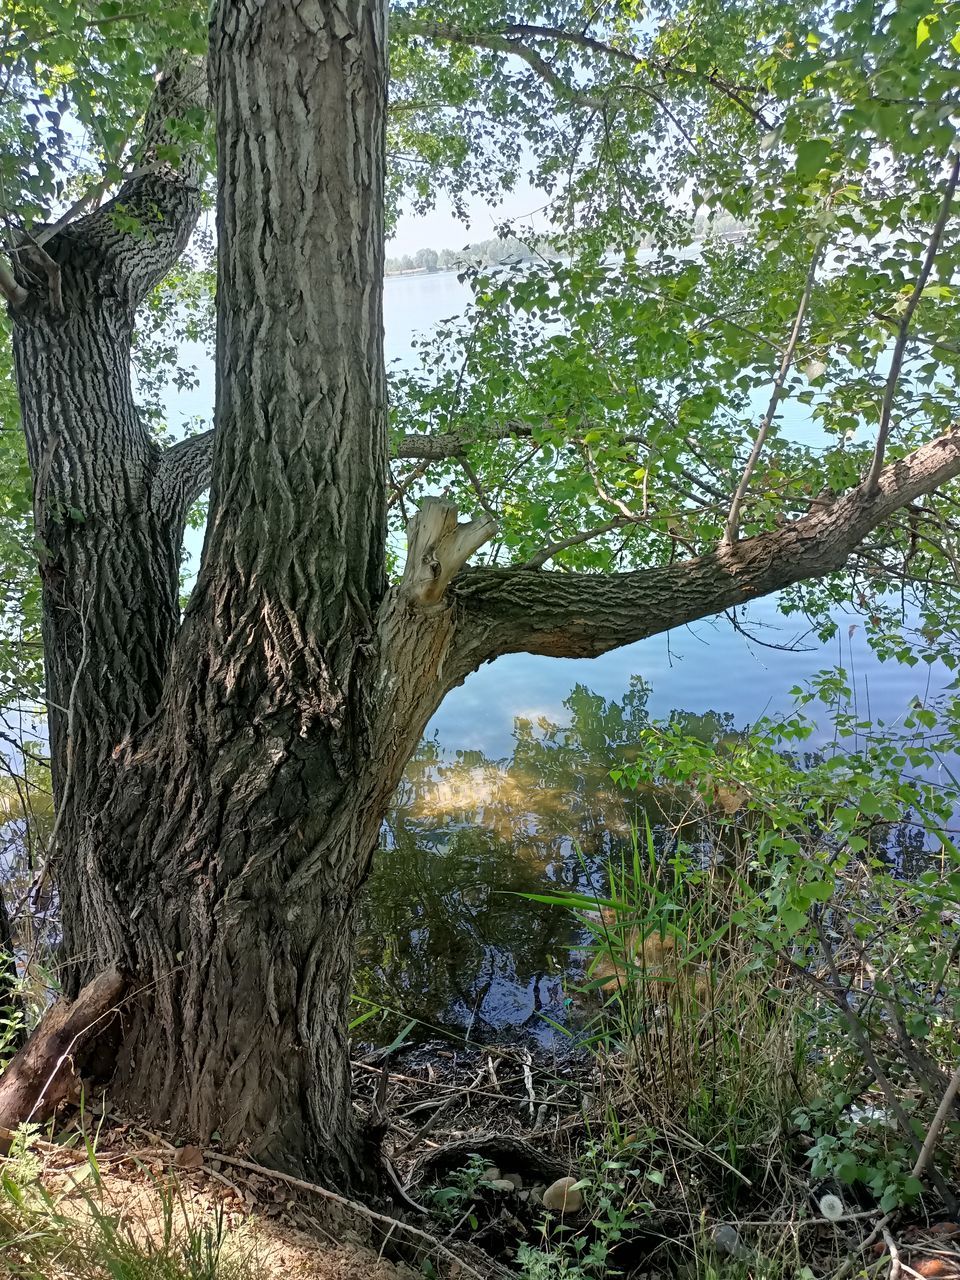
column 221, row 780
column 220, row 798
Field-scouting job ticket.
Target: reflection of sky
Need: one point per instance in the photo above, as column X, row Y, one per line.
column 706, row 666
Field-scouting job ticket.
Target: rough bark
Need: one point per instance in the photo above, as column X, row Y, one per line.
column 230, row 834
column 109, row 553
column 570, row 615
column 109, row 537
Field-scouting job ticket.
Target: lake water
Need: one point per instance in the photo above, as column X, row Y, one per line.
column 510, row 790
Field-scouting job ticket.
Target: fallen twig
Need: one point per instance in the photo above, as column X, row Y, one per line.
column 528, row 1080
column 851, row 1260
column 371, row 1214
column 858, row 1216
column 894, row 1253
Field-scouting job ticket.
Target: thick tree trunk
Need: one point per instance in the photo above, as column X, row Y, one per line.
column 109, row 524
column 109, row 561
column 227, row 868
column 222, row 782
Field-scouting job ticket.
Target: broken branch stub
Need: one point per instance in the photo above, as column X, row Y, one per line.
column 438, row 547
column 40, row 1076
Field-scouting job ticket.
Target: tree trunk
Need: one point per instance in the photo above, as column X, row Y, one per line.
column 109, row 560
column 221, row 782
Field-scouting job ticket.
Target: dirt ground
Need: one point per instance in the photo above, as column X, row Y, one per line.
column 435, row 1107
column 269, row 1232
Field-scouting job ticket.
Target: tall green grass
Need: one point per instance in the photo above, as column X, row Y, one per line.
column 707, row 1039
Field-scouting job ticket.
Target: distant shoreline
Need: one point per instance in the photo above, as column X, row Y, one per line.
column 420, row 271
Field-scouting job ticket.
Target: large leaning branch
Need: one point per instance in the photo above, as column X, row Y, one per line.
column 571, row 615
column 45, row 1070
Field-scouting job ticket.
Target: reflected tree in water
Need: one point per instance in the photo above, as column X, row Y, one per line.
column 445, row 936
column 448, row 937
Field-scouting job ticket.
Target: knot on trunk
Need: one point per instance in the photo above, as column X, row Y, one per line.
column 438, row 547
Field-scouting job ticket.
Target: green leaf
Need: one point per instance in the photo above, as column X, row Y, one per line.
column 792, row 919
column 812, row 155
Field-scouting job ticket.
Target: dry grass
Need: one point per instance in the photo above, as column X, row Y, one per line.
column 67, row 1215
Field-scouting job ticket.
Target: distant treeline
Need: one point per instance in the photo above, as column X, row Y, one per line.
column 493, row 252
column 485, row 253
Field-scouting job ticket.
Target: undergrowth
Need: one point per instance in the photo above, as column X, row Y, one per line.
column 776, row 969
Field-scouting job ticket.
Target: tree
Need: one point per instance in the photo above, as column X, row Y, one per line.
column 427, row 259
column 221, row 777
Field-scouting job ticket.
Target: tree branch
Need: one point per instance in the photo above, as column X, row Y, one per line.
column 508, row 40
column 438, row 548
column 94, row 192
column 135, row 238
column 430, row 448
column 184, row 471
column 500, row 41
column 513, row 34
column 731, row 533
column 540, row 558
column 14, row 293
column 581, row 615
column 453, row 445
column 38, row 1079
column 896, row 361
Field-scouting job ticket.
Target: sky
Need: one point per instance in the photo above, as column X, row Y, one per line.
column 441, row 229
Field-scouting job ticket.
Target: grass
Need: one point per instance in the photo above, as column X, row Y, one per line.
column 707, row 1041
column 704, row 1061
column 89, row 1230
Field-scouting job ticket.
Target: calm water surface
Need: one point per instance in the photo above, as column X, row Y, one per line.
column 510, row 792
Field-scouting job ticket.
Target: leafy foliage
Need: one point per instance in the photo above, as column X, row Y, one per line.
column 844, row 878
column 605, row 393
column 76, row 79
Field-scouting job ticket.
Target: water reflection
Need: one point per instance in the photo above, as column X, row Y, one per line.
column 445, row 938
